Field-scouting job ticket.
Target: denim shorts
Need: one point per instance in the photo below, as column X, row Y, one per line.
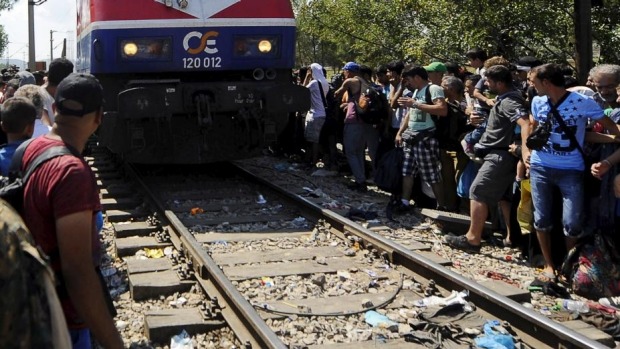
column 570, row 182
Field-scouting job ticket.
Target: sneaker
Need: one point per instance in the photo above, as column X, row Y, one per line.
column 461, row 243
column 613, row 302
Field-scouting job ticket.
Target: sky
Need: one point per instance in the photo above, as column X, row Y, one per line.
column 57, row 15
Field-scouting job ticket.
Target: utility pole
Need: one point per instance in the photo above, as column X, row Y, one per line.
column 31, row 50
column 52, row 45
column 31, row 54
column 583, row 38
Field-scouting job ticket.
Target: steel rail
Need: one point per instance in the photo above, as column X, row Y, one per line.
column 206, row 268
column 526, row 320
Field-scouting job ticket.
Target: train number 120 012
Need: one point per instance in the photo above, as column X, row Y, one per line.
column 197, row 63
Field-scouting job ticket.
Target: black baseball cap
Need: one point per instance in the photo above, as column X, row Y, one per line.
column 79, row 94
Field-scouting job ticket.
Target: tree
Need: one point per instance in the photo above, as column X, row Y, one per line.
column 421, row 31
column 4, row 40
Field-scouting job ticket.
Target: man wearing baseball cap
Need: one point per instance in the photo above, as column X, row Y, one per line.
column 60, row 202
column 435, row 71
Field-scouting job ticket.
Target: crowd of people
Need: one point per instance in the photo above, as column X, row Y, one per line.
column 468, row 139
column 61, row 206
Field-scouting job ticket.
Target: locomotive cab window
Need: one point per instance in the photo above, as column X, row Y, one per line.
column 146, row 49
column 256, row 46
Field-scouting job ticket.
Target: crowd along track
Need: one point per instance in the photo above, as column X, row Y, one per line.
column 280, row 271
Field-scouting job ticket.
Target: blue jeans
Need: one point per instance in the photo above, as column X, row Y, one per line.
column 570, row 182
column 80, row 338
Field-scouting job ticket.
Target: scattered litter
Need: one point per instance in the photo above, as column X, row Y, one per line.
column 299, row 222
column 181, row 341
column 494, row 337
column 350, row 252
column 267, row 281
column 120, row 325
column 282, row 166
column 154, row 253
column 178, row 302
column 261, row 200
column 196, row 210
column 168, row 251
column 453, row 298
column 108, row 271
column 375, row 319
column 371, row 273
column 220, row 242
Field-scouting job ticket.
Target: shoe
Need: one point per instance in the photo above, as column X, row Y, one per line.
column 613, row 302
column 461, row 243
column 401, row 208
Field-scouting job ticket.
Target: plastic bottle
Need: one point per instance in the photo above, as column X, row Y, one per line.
column 578, row 306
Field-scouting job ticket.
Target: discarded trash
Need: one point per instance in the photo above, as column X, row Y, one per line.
column 493, row 337
column 267, row 281
column 453, row 298
column 343, row 275
column 168, row 251
column 154, row 253
column 181, row 341
column 178, row 302
column 299, row 222
column 196, row 210
column 108, row 271
column 282, row 166
column 261, row 200
column 375, row 319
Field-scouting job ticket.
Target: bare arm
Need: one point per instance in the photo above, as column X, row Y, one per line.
column 595, row 137
column 610, row 126
column 439, row 107
column 394, row 96
column 482, row 98
column 403, row 126
column 526, row 130
column 81, row 280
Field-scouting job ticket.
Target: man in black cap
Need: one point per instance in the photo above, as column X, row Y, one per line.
column 60, row 202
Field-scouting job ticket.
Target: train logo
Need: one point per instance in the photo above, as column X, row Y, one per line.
column 207, row 42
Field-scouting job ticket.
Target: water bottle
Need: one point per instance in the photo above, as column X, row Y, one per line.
column 578, row 306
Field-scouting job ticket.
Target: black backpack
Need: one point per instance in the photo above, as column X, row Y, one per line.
column 389, row 174
column 448, row 128
column 12, row 190
column 372, row 105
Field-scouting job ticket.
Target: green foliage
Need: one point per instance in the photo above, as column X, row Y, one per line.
column 421, row 31
column 7, row 4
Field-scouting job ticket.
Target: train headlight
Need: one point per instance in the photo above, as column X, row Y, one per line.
column 264, row 46
column 130, row 49
column 256, row 46
column 146, row 49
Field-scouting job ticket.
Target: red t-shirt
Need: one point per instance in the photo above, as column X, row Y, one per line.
column 61, row 186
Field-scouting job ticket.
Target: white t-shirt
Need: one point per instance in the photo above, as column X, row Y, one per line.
column 48, row 101
column 40, row 128
column 317, row 108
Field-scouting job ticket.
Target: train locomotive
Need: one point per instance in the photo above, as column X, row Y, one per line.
column 190, row 81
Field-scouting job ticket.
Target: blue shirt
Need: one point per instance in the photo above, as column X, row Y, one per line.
column 559, row 153
column 6, row 155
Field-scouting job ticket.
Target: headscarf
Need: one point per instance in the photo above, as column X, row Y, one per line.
column 317, row 74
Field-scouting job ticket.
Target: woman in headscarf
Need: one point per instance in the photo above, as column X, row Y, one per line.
column 318, row 86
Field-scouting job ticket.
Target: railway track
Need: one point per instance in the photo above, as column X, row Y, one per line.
column 273, row 269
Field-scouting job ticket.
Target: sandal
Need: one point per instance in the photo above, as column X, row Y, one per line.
column 545, row 276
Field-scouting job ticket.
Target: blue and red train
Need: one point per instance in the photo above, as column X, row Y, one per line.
column 190, row 81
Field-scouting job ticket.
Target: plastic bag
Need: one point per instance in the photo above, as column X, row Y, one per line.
column 525, row 211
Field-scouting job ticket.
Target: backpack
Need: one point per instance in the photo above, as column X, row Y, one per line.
column 31, row 315
column 448, row 128
column 12, row 190
column 592, row 268
column 388, row 176
column 372, row 105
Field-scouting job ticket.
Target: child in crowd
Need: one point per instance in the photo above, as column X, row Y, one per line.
column 17, row 115
column 472, row 137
